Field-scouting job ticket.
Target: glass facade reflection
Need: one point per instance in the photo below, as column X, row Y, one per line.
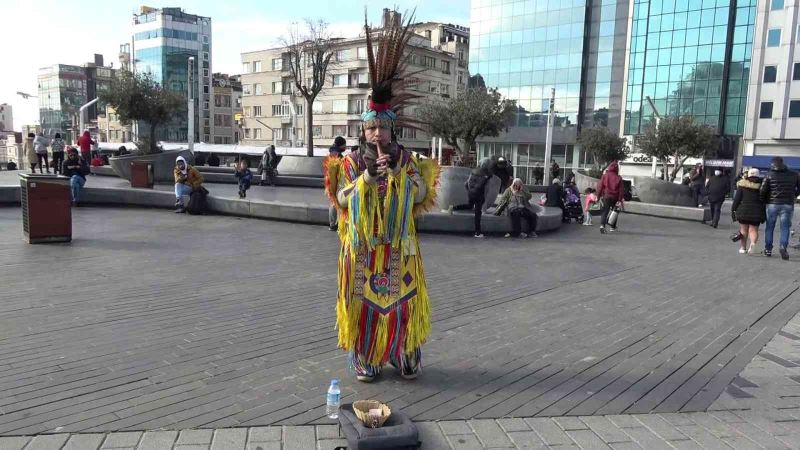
column 62, row 91
column 525, row 48
column 692, row 58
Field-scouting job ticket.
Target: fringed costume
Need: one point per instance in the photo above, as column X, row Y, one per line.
column 382, row 310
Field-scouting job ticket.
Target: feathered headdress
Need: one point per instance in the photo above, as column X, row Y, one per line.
column 386, row 71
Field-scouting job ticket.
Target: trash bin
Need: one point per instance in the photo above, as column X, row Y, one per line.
column 46, row 211
column 142, row 174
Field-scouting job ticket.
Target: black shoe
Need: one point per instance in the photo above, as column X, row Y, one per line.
column 244, row 194
column 602, row 230
column 333, row 228
column 784, row 254
column 714, row 225
column 767, row 253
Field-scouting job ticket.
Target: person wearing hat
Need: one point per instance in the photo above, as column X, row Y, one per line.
column 749, row 210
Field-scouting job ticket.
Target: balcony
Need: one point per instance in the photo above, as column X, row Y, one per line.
column 286, row 120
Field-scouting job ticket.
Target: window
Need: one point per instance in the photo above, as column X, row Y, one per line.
column 445, row 66
column 343, row 55
column 340, row 130
column 205, row 39
column 299, row 108
column 277, row 86
column 256, row 133
column 256, row 66
column 794, row 108
column 434, row 88
column 246, row 89
column 248, row 111
column 277, row 64
column 316, row 131
column 796, row 72
column 340, row 106
column 774, row 37
column 359, row 78
column 460, row 77
column 359, row 106
column 766, row 110
column 246, row 67
column 362, row 52
column 431, row 61
column 340, row 80
column 461, row 54
column 445, row 89
column 205, row 90
column 407, row 133
column 257, row 111
column 281, row 110
column 205, row 72
column 247, row 133
column 770, row 74
column 776, row 4
column 257, row 89
column 205, row 56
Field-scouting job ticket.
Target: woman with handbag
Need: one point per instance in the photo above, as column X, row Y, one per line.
column 748, row 210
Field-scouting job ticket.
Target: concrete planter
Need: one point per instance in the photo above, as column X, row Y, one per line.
column 584, row 181
column 301, row 166
column 163, row 164
column 660, row 192
column 451, row 187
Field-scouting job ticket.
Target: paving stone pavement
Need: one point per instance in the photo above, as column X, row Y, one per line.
column 144, row 336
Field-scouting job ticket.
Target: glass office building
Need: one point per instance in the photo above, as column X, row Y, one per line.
column 163, row 41
column 692, row 58
column 62, row 91
column 527, row 48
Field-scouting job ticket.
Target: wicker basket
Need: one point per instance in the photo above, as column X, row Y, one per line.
column 362, row 407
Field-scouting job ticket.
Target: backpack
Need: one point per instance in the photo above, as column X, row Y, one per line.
column 476, row 184
column 197, row 202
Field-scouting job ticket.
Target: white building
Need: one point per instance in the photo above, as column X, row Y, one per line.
column 6, row 117
column 772, row 125
column 163, row 41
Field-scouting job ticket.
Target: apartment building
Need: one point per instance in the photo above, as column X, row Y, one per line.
column 275, row 114
column 226, row 107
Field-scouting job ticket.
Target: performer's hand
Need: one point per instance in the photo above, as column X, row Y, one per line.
column 383, row 163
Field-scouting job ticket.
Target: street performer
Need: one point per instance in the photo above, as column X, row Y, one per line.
column 382, row 310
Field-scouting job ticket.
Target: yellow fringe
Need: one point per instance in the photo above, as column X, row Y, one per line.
column 429, row 170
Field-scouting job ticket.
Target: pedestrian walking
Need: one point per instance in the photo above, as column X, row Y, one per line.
column 538, row 174
column 40, row 144
column 748, row 209
column 610, row 189
column 476, row 186
column 30, row 154
column 717, row 187
column 85, row 143
column 75, row 168
column 779, row 191
column 696, row 182
column 244, row 175
column 336, row 151
column 517, row 200
column 57, row 147
column 555, row 170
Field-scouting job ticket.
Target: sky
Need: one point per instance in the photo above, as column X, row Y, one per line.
column 40, row 33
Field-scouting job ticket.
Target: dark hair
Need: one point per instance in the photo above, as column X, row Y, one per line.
column 31, row 135
column 589, row 190
column 58, row 136
column 777, row 161
column 339, row 141
column 122, row 148
column 246, row 161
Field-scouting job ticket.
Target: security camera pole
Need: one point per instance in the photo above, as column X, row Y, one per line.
column 658, row 122
column 548, row 146
column 190, row 96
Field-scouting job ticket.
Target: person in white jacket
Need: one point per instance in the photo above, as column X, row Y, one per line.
column 40, row 144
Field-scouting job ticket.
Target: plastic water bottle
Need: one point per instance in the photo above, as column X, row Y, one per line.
column 334, row 399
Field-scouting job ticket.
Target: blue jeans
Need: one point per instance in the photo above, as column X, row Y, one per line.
column 76, row 183
column 785, row 214
column 181, row 190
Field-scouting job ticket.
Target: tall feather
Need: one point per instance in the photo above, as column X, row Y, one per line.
column 388, row 66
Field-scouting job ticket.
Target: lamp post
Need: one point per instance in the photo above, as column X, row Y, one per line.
column 658, row 122
column 190, row 96
column 81, row 112
column 548, row 146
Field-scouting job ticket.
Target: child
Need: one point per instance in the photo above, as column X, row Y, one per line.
column 244, row 175
column 591, row 199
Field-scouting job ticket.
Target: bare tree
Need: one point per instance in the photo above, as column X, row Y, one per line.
column 310, row 55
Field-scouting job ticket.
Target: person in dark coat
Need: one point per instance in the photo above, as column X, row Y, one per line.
column 555, row 195
column 749, row 210
column 76, row 169
column 717, row 187
column 779, row 191
column 697, row 178
column 476, row 186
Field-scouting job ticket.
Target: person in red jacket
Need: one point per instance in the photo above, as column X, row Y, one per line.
column 610, row 189
column 85, row 142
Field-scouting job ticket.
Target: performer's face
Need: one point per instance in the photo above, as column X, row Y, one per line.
column 378, row 136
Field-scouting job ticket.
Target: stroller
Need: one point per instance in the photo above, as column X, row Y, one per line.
column 573, row 210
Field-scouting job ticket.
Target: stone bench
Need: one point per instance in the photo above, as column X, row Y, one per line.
column 105, row 171
column 280, row 180
column 668, row 211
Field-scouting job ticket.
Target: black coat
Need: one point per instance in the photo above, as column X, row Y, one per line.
column 555, row 196
column 718, row 187
column 747, row 204
column 780, row 187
